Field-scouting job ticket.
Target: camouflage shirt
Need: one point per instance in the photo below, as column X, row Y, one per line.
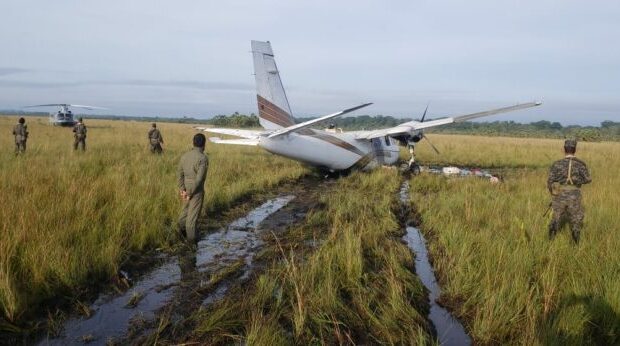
column 20, row 131
column 558, row 173
column 80, row 130
column 155, row 136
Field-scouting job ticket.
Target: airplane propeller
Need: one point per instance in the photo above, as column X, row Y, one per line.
column 421, row 134
column 431, row 144
column 424, row 114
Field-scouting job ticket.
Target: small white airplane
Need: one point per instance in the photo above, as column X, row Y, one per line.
column 326, row 149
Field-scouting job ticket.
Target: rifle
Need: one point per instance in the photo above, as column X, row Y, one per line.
column 548, row 209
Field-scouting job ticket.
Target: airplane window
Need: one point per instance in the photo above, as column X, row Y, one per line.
column 387, row 140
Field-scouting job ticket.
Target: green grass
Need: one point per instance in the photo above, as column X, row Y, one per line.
column 69, row 219
column 489, row 244
column 357, row 287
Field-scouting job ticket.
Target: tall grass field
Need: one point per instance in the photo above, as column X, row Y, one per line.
column 498, row 270
column 69, row 219
column 357, row 287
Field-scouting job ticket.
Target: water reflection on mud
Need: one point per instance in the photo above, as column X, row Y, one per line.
column 113, row 314
column 449, row 329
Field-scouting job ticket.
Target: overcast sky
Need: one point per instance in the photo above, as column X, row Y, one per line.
column 174, row 58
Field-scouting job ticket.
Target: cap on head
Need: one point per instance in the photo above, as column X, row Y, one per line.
column 570, row 145
column 21, row 120
column 199, row 140
column 154, row 125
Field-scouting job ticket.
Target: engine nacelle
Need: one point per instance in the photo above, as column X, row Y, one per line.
column 416, row 138
column 405, row 140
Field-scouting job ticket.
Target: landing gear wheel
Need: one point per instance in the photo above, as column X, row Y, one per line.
column 407, row 168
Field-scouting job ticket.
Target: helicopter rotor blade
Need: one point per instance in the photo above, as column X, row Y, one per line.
column 86, row 107
column 65, row 105
column 48, row 105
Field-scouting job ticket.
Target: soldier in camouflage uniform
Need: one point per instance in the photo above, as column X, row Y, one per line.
column 565, row 179
column 20, row 131
column 155, row 139
column 192, row 174
column 79, row 131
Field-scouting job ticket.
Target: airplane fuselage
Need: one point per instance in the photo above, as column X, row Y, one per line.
column 333, row 151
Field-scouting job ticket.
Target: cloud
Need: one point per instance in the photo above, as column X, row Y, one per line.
column 5, row 71
column 189, row 84
column 186, row 84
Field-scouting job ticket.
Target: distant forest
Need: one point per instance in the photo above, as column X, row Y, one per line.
column 607, row 131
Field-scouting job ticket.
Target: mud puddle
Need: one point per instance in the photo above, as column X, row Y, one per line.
column 112, row 315
column 221, row 275
column 195, row 277
column 449, row 329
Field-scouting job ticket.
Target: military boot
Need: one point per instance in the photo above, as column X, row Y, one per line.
column 575, row 234
column 553, row 230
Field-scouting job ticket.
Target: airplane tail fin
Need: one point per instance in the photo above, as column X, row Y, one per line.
column 274, row 111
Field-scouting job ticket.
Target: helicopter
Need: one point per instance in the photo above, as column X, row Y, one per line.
column 64, row 116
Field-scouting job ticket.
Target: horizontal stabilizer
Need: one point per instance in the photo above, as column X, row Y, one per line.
column 232, row 132
column 245, row 141
column 314, row 121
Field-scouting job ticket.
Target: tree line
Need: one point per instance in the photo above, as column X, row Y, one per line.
column 607, row 131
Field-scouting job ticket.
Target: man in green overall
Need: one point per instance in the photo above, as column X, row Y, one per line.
column 192, row 174
column 79, row 131
column 20, row 131
column 565, row 179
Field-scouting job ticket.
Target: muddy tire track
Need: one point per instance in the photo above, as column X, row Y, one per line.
column 195, row 276
column 202, row 289
column 448, row 329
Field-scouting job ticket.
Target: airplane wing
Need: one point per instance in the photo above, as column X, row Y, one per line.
column 232, row 132
column 305, row 124
column 408, row 127
column 244, row 141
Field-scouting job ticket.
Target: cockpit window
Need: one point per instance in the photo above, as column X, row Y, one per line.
column 387, row 140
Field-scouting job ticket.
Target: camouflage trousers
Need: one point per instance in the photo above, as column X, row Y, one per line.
column 189, row 217
column 79, row 142
column 156, row 148
column 567, row 207
column 20, row 147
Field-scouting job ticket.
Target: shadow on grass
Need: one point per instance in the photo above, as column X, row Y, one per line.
column 582, row 320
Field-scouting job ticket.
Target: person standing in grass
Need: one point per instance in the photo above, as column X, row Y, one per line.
column 192, row 174
column 79, row 131
column 155, row 139
column 565, row 179
column 20, row 131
